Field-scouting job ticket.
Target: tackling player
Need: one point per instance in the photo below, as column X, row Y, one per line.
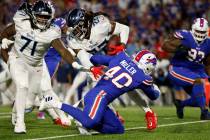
column 124, row 74
column 89, row 34
column 190, row 64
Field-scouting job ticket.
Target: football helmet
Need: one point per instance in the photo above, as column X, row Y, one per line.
column 146, row 61
column 78, row 24
column 42, row 14
column 200, row 29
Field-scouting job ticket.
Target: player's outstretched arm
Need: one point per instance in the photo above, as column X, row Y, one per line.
column 7, row 34
column 171, row 44
column 101, row 59
column 152, row 91
column 60, row 48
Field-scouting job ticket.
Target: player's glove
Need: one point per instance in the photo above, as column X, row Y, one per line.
column 5, row 43
column 97, row 71
column 115, row 49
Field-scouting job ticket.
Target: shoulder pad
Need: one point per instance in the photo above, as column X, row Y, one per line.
column 180, row 34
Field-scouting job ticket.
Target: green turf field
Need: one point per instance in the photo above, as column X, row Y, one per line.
column 170, row 128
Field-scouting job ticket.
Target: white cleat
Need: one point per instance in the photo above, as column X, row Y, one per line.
column 49, row 102
column 82, row 130
column 66, row 122
column 20, row 128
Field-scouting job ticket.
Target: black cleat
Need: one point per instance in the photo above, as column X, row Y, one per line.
column 179, row 109
column 205, row 115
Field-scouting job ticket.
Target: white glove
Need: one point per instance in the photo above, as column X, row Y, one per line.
column 5, row 43
column 79, row 67
column 156, row 88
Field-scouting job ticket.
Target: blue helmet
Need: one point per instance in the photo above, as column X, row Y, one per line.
column 78, row 22
column 42, row 14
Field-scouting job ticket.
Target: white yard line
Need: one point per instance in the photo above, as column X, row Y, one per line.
column 3, row 117
column 5, row 113
column 128, row 129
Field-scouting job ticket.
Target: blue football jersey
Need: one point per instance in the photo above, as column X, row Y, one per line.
column 123, row 75
column 195, row 53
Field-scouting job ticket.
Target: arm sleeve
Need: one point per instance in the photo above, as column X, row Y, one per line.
column 182, row 35
column 150, row 91
column 101, row 59
column 123, row 31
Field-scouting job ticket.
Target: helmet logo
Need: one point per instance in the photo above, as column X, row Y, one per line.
column 151, row 60
column 201, row 22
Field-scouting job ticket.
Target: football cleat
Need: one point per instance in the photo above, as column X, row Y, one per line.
column 179, row 109
column 151, row 120
column 205, row 115
column 20, row 128
column 48, row 102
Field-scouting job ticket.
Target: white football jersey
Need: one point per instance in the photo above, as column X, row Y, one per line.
column 101, row 27
column 32, row 44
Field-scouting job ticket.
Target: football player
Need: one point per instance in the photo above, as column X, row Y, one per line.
column 34, row 34
column 124, row 74
column 89, row 34
column 190, row 64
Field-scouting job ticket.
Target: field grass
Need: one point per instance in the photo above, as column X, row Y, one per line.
column 171, row 128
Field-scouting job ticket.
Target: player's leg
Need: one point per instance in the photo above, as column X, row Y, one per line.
column 46, row 89
column 80, row 78
column 194, row 86
column 19, row 74
column 91, row 116
column 110, row 123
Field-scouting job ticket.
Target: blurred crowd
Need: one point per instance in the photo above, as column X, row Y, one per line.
column 150, row 22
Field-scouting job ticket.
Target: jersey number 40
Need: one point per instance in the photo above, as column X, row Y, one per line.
column 110, row 74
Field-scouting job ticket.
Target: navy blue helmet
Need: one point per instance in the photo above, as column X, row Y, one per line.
column 42, row 13
column 78, row 22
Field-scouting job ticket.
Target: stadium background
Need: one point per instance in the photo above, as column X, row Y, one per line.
column 150, row 22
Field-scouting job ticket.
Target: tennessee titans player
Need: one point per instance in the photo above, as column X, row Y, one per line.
column 124, row 74
column 190, row 64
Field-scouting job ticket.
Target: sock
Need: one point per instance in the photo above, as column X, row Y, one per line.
column 146, row 109
column 20, row 103
column 52, row 113
column 197, row 97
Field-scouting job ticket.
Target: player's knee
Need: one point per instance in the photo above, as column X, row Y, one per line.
column 120, row 130
column 90, row 124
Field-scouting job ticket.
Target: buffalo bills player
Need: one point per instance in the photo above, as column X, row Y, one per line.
column 190, row 64
column 124, row 74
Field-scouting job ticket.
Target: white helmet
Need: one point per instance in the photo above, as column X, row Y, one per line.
column 146, row 61
column 200, row 29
